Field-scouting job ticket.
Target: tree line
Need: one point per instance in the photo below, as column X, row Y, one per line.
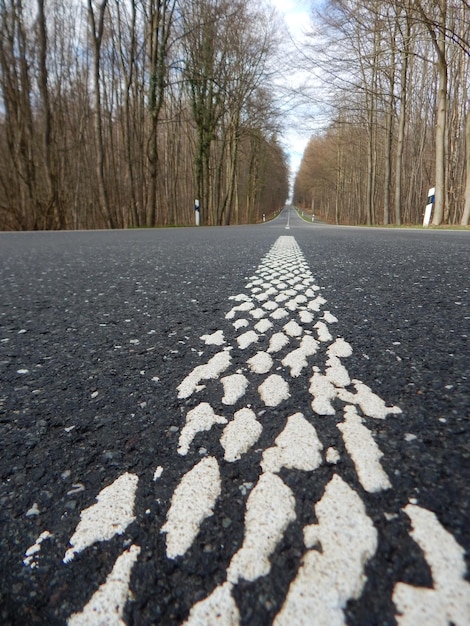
column 117, row 114
column 398, row 80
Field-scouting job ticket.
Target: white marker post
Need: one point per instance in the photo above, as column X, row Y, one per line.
column 197, row 214
column 429, row 205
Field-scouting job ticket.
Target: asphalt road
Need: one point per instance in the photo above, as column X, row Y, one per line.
column 244, row 425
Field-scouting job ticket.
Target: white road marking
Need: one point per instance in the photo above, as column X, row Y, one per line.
column 261, row 363
column 306, row 317
column 32, row 552
column 199, row 419
column 111, row 515
column 106, row 607
column 324, row 392
column 449, row 600
column 315, row 305
column 277, row 342
column 241, row 308
column 279, row 314
column 218, row 609
column 215, row 366
column 339, row 348
column 240, row 434
column 263, row 326
column 332, row 456
column 270, row 305
column 192, row 502
column 240, row 323
column 344, row 539
column 297, row 359
column 364, row 452
column 293, row 329
column 274, row 390
column 234, row 388
column 269, row 510
column 158, row 472
column 245, row 340
column 333, row 571
column 297, row 447
column 336, row 372
column 323, row 333
column 216, row 339
column 371, row 404
column 329, row 318
column 241, row 297
column 258, row 313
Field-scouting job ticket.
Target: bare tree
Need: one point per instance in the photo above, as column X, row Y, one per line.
column 466, row 212
column 116, row 114
column 415, row 82
column 160, row 20
column 96, row 32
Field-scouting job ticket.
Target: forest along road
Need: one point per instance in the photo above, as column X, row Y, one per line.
column 245, row 425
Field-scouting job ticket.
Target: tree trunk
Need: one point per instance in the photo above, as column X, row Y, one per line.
column 97, row 37
column 402, row 120
column 466, row 212
column 441, row 126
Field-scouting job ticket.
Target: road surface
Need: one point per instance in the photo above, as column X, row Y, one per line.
column 245, row 425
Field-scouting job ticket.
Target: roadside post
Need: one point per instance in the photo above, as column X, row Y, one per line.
column 197, row 214
column 429, row 206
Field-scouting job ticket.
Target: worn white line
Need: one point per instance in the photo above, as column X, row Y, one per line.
column 218, row 609
column 364, row 452
column 323, row 392
column 371, row 404
column 297, row 447
column 199, row 419
column 344, row 537
column 234, row 388
column 336, row 372
column 449, row 600
column 106, row 607
column 111, row 515
column 241, row 308
column 257, row 314
column 192, row 502
column 240, row 323
column 323, row 333
column 269, row 510
column 279, row 314
column 297, row 359
column 245, row 340
column 315, row 305
column 274, row 390
column 263, row 326
column 240, row 434
column 329, row 318
column 261, row 363
column 293, row 329
column 339, row 348
column 277, row 342
column 333, row 571
column 32, row 552
column 212, row 369
column 215, row 339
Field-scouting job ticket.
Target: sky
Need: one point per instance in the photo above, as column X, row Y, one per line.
column 297, row 17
